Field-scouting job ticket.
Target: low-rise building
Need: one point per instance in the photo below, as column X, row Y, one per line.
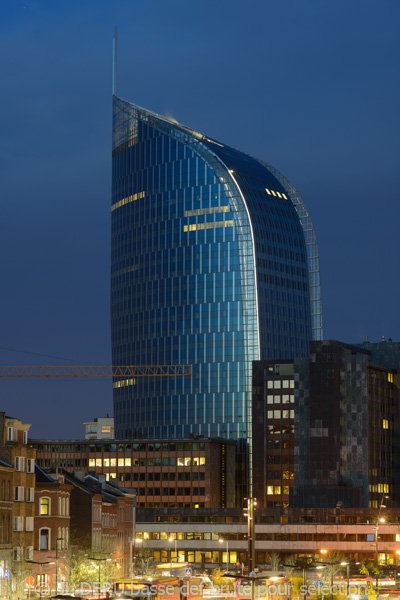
column 182, row 473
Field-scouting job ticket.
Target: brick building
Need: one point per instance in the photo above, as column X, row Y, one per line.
column 6, row 508
column 52, row 526
column 185, row 473
column 101, row 517
column 20, row 456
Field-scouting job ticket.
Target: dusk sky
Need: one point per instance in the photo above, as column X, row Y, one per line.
column 311, row 87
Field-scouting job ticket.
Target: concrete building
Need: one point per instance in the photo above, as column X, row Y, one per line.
column 192, row 472
column 293, row 534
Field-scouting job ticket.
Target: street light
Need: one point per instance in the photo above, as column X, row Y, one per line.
column 221, row 541
column 34, row 562
column 171, row 539
column 378, row 521
column 139, row 541
column 57, row 540
column 100, row 560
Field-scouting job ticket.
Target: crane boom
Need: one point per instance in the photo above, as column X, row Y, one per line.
column 96, row 371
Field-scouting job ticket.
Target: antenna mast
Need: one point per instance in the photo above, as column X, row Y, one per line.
column 114, row 83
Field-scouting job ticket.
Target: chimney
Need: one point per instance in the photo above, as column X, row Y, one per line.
column 80, row 474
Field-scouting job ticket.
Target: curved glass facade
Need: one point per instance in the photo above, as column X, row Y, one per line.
column 209, row 268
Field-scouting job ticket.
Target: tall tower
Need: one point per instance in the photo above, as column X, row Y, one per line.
column 214, row 264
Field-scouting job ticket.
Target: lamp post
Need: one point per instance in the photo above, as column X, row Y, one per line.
column 171, row 539
column 57, row 540
column 34, row 562
column 378, row 521
column 347, row 565
column 100, row 560
column 221, row 541
column 139, row 541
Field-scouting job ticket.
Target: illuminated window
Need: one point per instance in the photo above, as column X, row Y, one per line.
column 113, row 462
column 279, row 194
column 92, row 462
column 277, row 489
column 385, row 424
column 120, row 462
column 98, row 462
column 285, row 490
column 44, row 506
column 180, row 462
column 390, row 377
column 273, row 193
column 270, row 490
column 268, row 192
column 127, row 200
column 106, row 462
column 284, row 195
column 127, row 462
column 106, row 429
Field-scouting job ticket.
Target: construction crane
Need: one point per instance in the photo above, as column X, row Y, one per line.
column 129, row 371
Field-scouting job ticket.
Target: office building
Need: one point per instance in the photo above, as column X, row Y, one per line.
column 214, row 264
column 185, row 473
column 325, row 427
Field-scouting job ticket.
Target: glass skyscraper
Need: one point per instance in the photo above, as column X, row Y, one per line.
column 214, row 264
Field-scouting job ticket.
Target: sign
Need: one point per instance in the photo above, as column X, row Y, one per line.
column 188, row 572
column 30, row 580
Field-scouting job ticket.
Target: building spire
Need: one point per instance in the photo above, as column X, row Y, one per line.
column 114, row 83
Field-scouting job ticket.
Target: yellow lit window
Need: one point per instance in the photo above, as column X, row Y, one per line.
column 268, row 192
column 98, row 462
column 390, row 377
column 185, row 228
column 127, row 200
column 228, row 223
column 106, row 462
column 180, row 462
column 92, row 462
column 114, row 475
column 270, row 490
column 128, row 462
column 285, row 490
column 277, row 489
column 385, row 424
column 44, row 504
column 202, row 460
column 113, row 462
column 188, row 461
column 397, row 537
column 105, row 429
column 200, row 226
column 209, row 225
column 284, row 195
column 279, row 194
column 285, row 475
column 224, row 208
column 124, row 383
column 192, row 227
column 120, row 462
column 273, row 193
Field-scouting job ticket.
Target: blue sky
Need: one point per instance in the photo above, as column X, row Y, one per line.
column 311, row 87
